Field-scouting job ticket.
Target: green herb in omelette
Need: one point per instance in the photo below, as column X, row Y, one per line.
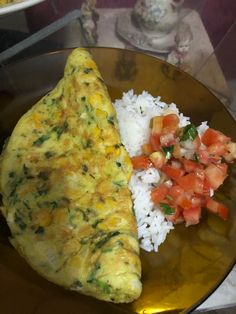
column 41, row 140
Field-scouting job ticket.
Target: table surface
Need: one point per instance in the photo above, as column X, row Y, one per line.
column 212, row 76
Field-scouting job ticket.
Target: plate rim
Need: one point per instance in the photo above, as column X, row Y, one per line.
column 58, row 51
column 89, row 48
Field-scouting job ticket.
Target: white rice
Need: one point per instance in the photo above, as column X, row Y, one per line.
column 134, row 113
column 202, row 128
column 151, row 223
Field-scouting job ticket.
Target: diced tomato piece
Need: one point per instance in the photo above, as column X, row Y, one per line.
column 223, row 167
column 189, row 165
column 159, row 193
column 170, row 123
column 173, row 173
column 170, row 119
column 191, row 183
column 158, row 159
column 177, row 217
column 211, row 136
column 184, row 201
column 204, row 200
column 187, row 201
column 197, row 142
column 214, row 159
column 155, row 142
column 157, row 124
column 215, row 175
column 203, row 156
column 206, row 158
column 196, row 201
column 141, row 162
column 175, row 191
column 147, row 149
column 200, row 173
column 192, row 216
column 167, row 139
column 217, row 208
column 212, row 205
column 206, row 187
column 217, row 149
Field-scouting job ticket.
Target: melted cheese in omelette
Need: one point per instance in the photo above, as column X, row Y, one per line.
column 64, row 181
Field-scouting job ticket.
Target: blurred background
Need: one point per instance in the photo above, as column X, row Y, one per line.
column 199, row 36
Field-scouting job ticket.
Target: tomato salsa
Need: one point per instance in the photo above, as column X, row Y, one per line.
column 192, row 165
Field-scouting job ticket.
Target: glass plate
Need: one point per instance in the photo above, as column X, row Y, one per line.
column 193, row 261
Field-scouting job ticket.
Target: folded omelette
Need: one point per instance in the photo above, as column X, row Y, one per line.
column 64, row 183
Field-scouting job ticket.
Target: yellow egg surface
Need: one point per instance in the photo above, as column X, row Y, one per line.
column 64, row 182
